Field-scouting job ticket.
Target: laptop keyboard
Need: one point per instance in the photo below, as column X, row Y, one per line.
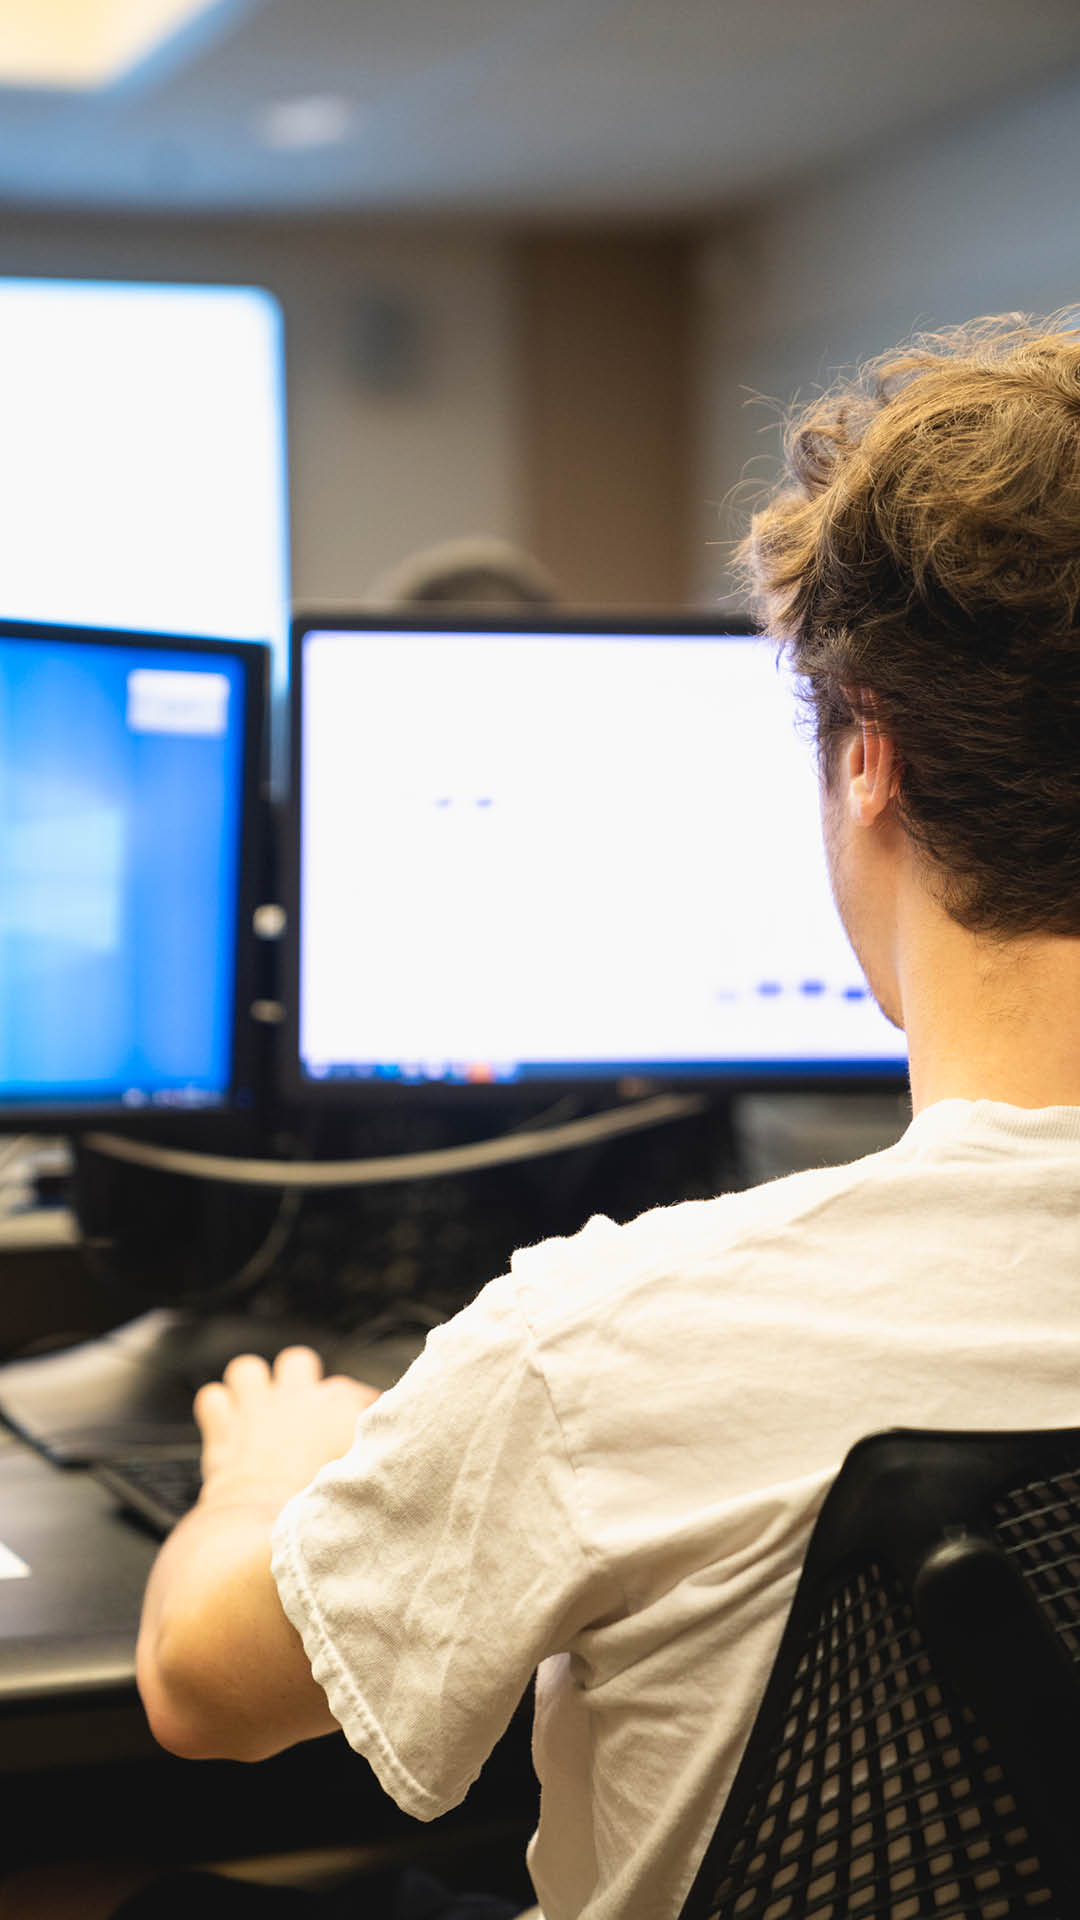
column 159, row 1483
column 157, row 1488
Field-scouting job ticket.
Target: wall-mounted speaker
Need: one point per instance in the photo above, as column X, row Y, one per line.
column 387, row 340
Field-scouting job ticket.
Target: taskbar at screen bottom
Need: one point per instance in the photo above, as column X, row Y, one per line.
column 341, row 1076
column 15, row 1102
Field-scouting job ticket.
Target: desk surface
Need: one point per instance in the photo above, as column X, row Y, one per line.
column 80, row 1773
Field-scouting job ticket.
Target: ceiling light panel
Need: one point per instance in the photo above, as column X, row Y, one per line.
column 312, row 120
column 83, row 44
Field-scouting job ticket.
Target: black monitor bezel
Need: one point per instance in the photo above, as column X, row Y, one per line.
column 362, row 1093
column 242, row 1094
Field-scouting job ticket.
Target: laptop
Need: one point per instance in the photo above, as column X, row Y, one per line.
column 72, row 1574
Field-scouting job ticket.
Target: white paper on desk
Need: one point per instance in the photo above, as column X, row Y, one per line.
column 11, row 1567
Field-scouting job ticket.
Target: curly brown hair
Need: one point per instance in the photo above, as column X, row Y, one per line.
column 920, row 565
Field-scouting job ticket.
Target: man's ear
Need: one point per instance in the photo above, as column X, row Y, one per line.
column 874, row 768
column 872, row 764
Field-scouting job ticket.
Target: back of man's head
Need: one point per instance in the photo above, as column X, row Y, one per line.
column 922, row 566
column 476, row 571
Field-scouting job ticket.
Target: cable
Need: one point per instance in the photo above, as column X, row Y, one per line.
column 273, row 1244
column 655, row 1112
column 563, row 1109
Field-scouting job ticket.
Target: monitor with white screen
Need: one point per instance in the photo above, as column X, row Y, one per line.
column 566, row 851
column 130, row 849
column 144, row 481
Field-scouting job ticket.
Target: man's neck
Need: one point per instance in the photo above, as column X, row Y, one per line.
column 991, row 1020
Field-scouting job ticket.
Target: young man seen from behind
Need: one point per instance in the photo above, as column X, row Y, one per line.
column 608, row 1466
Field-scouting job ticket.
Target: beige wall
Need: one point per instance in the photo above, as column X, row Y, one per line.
column 978, row 219
column 609, row 380
column 551, row 397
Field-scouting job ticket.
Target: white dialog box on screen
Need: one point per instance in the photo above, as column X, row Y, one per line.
column 162, row 701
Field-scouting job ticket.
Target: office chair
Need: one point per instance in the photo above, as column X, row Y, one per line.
column 917, row 1750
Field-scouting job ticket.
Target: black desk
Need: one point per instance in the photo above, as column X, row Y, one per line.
column 80, row 1773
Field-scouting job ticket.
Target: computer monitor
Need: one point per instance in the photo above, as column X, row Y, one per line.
column 564, row 851
column 130, row 851
column 144, row 480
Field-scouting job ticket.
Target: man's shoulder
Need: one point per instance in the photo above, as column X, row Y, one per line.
column 607, row 1258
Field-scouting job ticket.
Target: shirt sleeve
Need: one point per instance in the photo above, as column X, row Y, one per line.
column 431, row 1569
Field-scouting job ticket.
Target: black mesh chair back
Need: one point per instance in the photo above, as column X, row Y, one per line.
column 916, row 1755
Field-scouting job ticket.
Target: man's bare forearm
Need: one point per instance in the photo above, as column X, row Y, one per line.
column 221, row 1671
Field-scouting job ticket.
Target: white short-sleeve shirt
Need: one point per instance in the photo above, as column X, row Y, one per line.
column 607, row 1468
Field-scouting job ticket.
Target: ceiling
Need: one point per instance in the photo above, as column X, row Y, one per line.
column 521, row 108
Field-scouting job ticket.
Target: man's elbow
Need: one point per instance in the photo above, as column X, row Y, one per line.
column 188, row 1714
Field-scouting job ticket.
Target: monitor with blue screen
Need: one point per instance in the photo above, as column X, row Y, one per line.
column 560, row 850
column 129, row 846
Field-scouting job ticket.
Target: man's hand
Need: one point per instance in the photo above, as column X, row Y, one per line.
column 221, row 1671
column 266, row 1433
